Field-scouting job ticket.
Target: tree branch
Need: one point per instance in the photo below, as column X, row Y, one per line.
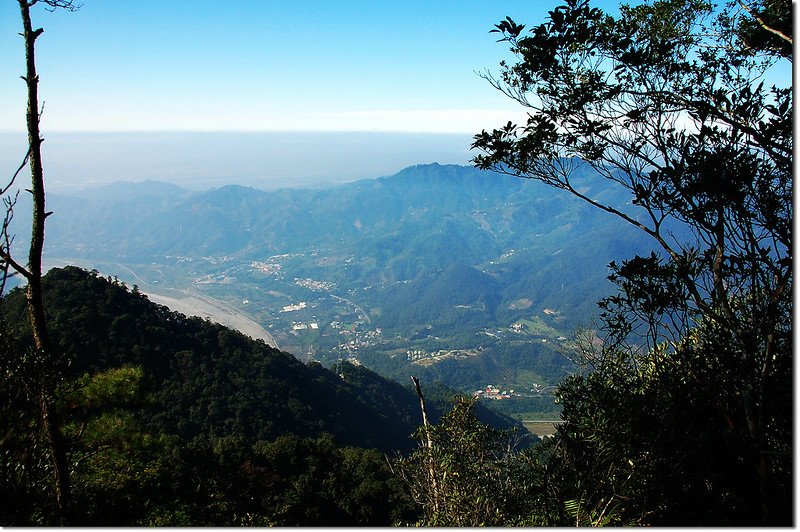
column 14, row 177
column 764, row 24
column 19, row 268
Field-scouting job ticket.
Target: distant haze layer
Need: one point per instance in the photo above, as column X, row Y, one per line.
column 201, row 160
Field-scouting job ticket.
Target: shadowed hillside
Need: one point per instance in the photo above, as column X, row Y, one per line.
column 206, row 381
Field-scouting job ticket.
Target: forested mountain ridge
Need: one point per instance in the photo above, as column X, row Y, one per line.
column 431, row 259
column 176, row 421
column 206, row 381
column 251, row 223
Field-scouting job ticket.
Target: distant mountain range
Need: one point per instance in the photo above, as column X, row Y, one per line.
column 437, row 257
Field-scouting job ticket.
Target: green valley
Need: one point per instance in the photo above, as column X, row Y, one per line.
column 450, row 273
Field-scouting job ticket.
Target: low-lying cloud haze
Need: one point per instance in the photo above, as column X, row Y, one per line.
column 203, row 160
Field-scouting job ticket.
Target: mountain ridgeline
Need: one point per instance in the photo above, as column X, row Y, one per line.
column 206, row 381
column 176, row 421
column 419, row 216
column 433, row 259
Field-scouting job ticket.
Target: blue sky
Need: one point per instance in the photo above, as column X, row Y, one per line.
column 143, row 66
column 203, row 65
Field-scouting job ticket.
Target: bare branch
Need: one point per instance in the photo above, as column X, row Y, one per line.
column 4, row 256
column 68, row 5
column 7, row 239
column 14, row 177
column 428, row 445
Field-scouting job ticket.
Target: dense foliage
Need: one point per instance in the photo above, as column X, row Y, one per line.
column 467, row 473
column 204, row 379
column 175, row 420
column 684, row 413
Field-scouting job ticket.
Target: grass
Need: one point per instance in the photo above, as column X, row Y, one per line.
column 540, row 428
column 537, row 327
column 538, row 416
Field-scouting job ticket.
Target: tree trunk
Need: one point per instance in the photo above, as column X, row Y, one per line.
column 35, row 304
column 435, row 498
column 58, row 456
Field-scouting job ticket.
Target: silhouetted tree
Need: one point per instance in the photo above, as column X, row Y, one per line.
column 40, row 370
column 669, row 103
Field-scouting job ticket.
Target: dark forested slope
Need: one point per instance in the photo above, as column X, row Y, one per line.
column 208, row 381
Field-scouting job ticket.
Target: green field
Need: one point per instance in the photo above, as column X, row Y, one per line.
column 541, row 427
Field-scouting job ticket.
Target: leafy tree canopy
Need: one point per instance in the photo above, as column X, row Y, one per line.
column 671, row 102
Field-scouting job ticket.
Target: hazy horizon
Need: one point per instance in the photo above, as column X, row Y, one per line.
column 265, row 94
column 203, row 160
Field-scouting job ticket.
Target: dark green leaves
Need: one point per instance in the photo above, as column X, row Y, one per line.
column 670, row 108
column 509, row 29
